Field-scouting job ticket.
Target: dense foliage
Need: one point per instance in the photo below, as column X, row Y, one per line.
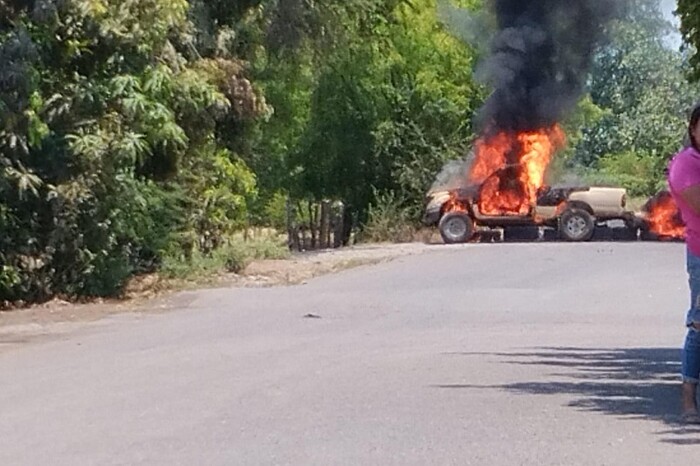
column 689, row 13
column 139, row 132
column 639, row 103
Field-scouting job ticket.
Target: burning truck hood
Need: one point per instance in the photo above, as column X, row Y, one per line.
column 549, row 203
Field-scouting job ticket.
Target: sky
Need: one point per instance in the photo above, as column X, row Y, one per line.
column 668, row 6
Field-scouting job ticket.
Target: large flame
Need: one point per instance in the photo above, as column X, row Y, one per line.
column 454, row 205
column 510, row 168
column 663, row 217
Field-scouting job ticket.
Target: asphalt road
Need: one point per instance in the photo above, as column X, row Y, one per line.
column 495, row 354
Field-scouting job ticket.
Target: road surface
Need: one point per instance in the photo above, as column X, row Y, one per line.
column 495, row 354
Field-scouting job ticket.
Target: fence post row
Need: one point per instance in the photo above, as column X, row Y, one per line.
column 315, row 225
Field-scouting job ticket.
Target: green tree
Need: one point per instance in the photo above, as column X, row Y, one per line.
column 385, row 118
column 638, row 86
column 689, row 13
column 107, row 109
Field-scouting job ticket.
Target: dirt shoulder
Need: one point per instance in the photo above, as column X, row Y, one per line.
column 305, row 266
column 151, row 294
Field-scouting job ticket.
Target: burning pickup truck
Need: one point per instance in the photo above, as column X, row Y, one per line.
column 574, row 212
column 502, row 184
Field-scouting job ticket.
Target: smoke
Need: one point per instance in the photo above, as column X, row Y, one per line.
column 538, row 53
column 469, row 26
column 537, row 57
column 539, row 60
column 454, row 174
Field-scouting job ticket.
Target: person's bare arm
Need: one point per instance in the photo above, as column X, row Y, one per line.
column 692, row 197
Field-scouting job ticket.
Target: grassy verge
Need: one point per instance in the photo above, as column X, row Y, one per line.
column 233, row 257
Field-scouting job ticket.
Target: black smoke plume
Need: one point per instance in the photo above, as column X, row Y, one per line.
column 538, row 57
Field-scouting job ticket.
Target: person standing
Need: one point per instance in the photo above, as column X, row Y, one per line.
column 684, row 184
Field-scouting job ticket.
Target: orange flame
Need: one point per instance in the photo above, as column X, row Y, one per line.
column 511, row 168
column 664, row 217
column 454, row 205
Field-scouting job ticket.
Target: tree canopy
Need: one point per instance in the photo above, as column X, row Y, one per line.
column 688, row 12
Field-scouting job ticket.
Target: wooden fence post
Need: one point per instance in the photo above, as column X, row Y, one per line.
column 338, row 224
column 324, row 225
column 292, row 230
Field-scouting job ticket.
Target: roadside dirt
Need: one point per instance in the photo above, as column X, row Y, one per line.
column 150, row 294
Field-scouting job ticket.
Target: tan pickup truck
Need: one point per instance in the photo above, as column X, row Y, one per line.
column 574, row 212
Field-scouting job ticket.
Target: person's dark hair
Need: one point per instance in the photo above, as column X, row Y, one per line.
column 694, row 118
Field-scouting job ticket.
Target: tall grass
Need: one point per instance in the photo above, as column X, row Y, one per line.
column 233, row 257
column 390, row 220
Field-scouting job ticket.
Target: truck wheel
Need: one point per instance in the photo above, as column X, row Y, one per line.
column 576, row 225
column 456, row 227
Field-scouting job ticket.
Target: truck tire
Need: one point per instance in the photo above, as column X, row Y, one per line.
column 576, row 224
column 456, row 227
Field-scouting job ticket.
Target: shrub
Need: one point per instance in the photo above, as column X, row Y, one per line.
column 233, row 257
column 641, row 174
column 389, row 220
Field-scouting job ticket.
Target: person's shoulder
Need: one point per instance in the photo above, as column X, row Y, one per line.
column 686, row 156
column 689, row 152
column 683, row 170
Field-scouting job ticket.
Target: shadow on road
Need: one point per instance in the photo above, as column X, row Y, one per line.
column 629, row 383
